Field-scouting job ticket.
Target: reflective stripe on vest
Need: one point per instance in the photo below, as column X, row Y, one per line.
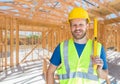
column 69, row 74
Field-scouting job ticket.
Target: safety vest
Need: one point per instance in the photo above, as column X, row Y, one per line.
column 75, row 70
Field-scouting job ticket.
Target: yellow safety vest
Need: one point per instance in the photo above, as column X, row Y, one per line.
column 75, row 70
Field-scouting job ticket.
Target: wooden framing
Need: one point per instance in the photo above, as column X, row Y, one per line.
column 6, row 43
column 50, row 40
column 1, row 43
column 102, row 34
column 17, row 43
column 43, row 39
column 11, row 42
column 53, row 42
column 57, row 36
column 118, row 40
column 113, row 20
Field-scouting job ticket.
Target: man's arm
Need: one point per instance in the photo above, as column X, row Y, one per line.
column 101, row 72
column 50, row 74
column 99, row 62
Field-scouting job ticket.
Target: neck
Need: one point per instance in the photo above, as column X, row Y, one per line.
column 81, row 41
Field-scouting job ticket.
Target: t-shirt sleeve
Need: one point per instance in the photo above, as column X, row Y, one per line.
column 103, row 56
column 56, row 58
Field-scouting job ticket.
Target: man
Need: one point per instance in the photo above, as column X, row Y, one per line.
column 74, row 57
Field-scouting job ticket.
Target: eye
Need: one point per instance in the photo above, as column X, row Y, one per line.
column 74, row 25
column 77, row 25
column 81, row 25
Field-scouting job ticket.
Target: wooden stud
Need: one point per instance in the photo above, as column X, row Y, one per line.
column 49, row 40
column 57, row 36
column 6, row 55
column 43, row 40
column 17, row 43
column 61, row 35
column 1, row 44
column 11, row 42
column 53, row 41
column 38, row 42
column 32, row 40
column 118, row 40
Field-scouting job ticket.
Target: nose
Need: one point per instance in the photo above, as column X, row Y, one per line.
column 78, row 27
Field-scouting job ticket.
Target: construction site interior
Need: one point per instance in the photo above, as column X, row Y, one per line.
column 31, row 29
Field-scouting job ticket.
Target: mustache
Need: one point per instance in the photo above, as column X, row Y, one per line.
column 78, row 30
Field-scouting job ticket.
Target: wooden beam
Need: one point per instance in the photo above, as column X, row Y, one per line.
column 1, row 44
column 61, row 35
column 50, row 40
column 118, row 39
column 36, row 9
column 43, row 39
column 49, row 18
column 15, row 14
column 17, row 43
column 29, row 3
column 89, row 11
column 40, row 23
column 1, row 28
column 95, row 13
column 20, row 9
column 24, row 24
column 23, row 60
column 52, row 12
column 9, row 14
column 67, row 3
column 107, row 7
column 53, row 42
column 11, row 43
column 113, row 20
column 57, row 36
column 37, row 12
column 6, row 29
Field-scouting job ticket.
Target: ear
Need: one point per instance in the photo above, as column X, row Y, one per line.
column 87, row 26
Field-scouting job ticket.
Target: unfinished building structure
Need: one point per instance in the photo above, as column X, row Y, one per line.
column 31, row 29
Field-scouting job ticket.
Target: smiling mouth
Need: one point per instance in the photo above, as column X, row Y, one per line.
column 78, row 31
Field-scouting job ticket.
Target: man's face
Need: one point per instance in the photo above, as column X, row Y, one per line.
column 78, row 28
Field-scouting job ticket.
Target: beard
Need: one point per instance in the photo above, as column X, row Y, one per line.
column 79, row 34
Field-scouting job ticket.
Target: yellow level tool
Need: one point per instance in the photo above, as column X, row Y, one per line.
column 95, row 41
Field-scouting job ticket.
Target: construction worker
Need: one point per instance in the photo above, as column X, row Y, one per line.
column 74, row 56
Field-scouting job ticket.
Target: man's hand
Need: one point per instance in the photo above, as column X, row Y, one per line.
column 98, row 61
column 101, row 73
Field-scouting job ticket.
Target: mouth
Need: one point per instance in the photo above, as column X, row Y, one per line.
column 78, row 32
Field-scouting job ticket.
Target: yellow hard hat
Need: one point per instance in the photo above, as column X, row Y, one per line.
column 78, row 12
